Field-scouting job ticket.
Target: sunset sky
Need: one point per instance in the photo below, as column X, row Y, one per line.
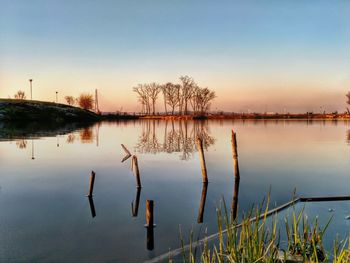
column 256, row 55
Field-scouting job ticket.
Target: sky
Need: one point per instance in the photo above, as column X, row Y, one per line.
column 274, row 56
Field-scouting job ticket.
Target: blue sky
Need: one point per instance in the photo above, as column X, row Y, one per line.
column 255, row 54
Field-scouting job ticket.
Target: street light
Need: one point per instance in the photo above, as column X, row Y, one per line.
column 31, row 94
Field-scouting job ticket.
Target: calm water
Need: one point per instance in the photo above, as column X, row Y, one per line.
column 46, row 217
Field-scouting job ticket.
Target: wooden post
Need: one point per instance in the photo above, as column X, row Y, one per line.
column 92, row 182
column 149, row 213
column 136, row 171
column 127, row 152
column 235, row 154
column 135, row 209
column 199, row 143
column 202, row 204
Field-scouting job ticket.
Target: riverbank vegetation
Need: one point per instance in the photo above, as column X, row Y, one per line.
column 261, row 240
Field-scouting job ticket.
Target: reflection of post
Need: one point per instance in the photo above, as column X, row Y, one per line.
column 135, row 167
column 58, row 142
column 348, row 137
column 202, row 205
column 150, row 238
column 92, row 182
column 92, row 206
column 235, row 154
column 202, row 159
column 149, row 224
column 33, row 149
column 135, row 209
column 235, row 199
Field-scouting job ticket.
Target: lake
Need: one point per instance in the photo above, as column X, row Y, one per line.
column 45, row 215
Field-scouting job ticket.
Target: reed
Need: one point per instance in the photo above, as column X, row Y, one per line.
column 259, row 240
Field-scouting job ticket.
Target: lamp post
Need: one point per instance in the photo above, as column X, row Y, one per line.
column 31, row 94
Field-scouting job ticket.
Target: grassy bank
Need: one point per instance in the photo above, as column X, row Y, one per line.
column 24, row 110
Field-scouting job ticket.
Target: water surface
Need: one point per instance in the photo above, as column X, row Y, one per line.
column 46, row 217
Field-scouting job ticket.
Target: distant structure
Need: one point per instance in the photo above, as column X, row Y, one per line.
column 31, row 94
column 96, row 102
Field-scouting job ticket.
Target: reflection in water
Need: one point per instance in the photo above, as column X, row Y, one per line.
column 86, row 135
column 235, row 199
column 179, row 136
column 33, row 149
column 135, row 209
column 70, row 138
column 348, row 137
column 92, row 206
column 21, row 144
column 150, row 238
column 202, row 204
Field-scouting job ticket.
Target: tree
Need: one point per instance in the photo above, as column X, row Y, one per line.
column 172, row 96
column 141, row 91
column 164, row 89
column 188, row 87
column 204, row 97
column 153, row 90
column 70, row 100
column 20, row 95
column 348, row 96
column 86, row 101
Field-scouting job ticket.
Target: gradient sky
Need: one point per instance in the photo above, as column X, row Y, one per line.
column 256, row 55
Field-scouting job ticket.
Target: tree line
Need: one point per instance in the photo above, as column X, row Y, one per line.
column 181, row 97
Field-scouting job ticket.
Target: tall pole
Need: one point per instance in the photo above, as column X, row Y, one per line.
column 31, row 93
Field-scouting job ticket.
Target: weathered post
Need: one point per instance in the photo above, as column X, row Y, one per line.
column 237, row 175
column 235, row 154
column 202, row 204
column 127, row 152
column 135, row 167
column 199, row 143
column 149, row 213
column 92, row 182
column 150, row 224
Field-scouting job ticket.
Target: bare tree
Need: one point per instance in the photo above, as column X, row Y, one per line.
column 172, row 96
column 86, row 101
column 70, row 100
column 141, row 91
column 153, row 90
column 20, row 95
column 204, row 97
column 348, row 96
column 188, row 86
column 164, row 88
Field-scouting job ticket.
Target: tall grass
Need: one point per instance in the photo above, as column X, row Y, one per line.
column 258, row 241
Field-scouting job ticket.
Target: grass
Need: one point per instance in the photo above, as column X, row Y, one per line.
column 258, row 241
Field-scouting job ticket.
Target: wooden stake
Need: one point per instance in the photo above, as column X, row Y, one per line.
column 235, row 154
column 199, row 143
column 149, row 213
column 92, row 182
column 128, row 154
column 202, row 204
column 136, row 171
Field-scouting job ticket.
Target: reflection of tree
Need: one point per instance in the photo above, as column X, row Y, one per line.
column 348, row 137
column 70, row 138
column 179, row 136
column 21, row 144
column 86, row 135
